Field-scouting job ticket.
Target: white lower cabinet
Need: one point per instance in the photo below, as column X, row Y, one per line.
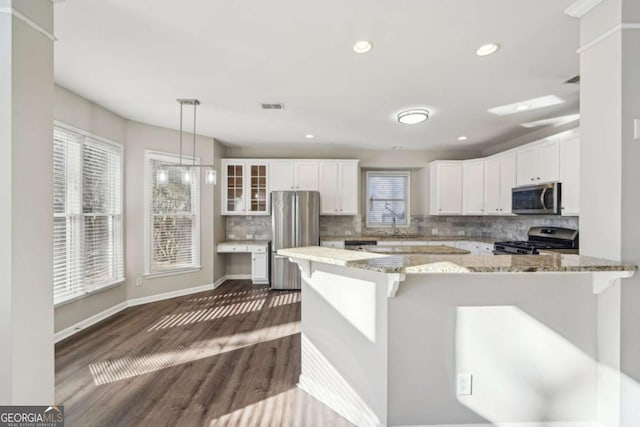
column 339, row 244
column 260, row 268
column 472, row 247
column 259, row 258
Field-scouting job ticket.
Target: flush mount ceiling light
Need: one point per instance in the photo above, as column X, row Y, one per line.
column 309, row 136
column 411, row 117
column 396, row 147
column 535, row 103
column 462, row 138
column 187, row 169
column 362, row 46
column 487, row 49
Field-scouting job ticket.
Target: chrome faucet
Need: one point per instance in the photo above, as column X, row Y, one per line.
column 394, row 215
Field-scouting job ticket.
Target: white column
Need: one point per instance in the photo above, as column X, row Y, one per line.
column 26, row 117
column 610, row 190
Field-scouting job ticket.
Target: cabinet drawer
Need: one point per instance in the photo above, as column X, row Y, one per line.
column 226, row 248
column 333, row 244
column 257, row 249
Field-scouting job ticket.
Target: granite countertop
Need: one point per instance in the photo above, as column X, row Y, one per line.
column 425, row 250
column 456, row 263
column 245, row 242
column 409, row 237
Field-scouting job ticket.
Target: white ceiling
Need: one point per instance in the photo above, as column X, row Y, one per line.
column 136, row 57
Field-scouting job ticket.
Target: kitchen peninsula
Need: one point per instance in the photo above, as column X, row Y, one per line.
column 413, row 339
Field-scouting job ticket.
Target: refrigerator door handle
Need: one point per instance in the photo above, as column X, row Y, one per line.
column 295, row 222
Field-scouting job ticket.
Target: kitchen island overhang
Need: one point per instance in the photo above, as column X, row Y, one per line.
column 384, row 337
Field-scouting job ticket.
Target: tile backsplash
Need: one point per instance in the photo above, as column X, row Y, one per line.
column 508, row 227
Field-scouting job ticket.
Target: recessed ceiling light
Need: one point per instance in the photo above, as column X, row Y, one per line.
column 309, row 136
column 535, row 103
column 396, row 147
column 487, row 49
column 362, row 46
column 462, row 138
column 411, row 117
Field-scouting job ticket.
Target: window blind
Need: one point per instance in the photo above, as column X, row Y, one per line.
column 387, row 197
column 173, row 216
column 87, row 210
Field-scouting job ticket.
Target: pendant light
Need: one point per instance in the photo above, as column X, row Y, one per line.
column 188, row 170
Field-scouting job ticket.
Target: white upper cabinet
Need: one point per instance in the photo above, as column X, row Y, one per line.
column 473, row 187
column 445, row 188
column 244, row 188
column 538, row 163
column 499, row 179
column 338, row 186
column 306, row 175
column 294, row 175
column 570, row 175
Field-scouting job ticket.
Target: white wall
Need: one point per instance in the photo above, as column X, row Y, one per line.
column 141, row 137
column 26, row 213
column 610, row 201
column 79, row 112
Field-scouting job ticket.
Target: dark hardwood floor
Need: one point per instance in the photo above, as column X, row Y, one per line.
column 228, row 357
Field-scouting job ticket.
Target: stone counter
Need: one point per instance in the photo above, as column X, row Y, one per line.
column 557, row 263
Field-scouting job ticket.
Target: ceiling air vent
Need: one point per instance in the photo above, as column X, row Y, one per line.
column 574, row 80
column 272, row 106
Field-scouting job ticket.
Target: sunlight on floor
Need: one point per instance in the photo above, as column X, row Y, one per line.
column 232, row 297
column 284, row 299
column 205, row 314
column 127, row 367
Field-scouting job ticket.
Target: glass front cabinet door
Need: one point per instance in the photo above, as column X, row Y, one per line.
column 245, row 188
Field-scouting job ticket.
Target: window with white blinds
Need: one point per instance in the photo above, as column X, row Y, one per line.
column 172, row 220
column 387, row 198
column 87, row 214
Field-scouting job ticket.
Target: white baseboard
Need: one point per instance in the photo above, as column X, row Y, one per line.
column 168, row 295
column 83, row 324
column 238, row 276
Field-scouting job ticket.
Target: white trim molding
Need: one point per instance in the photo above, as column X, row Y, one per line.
column 13, row 12
column 581, row 8
column 606, row 34
column 237, row 276
column 89, row 321
column 514, row 424
column 168, row 295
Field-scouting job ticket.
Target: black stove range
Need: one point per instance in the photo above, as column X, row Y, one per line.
column 540, row 238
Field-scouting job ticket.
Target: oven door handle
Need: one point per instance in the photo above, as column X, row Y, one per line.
column 544, row 191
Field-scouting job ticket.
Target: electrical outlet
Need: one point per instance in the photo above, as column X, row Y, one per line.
column 434, row 231
column 636, row 128
column 249, row 236
column 461, row 233
column 139, row 281
column 347, row 232
column 464, row 386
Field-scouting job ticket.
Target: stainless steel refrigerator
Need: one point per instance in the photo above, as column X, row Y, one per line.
column 295, row 222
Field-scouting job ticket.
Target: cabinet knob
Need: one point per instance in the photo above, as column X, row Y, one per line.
column 538, row 178
column 532, row 179
column 497, row 209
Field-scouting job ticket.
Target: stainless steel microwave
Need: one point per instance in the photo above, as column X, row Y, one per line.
column 542, row 199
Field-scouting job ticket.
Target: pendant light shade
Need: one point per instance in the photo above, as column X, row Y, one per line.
column 187, row 170
column 162, row 176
